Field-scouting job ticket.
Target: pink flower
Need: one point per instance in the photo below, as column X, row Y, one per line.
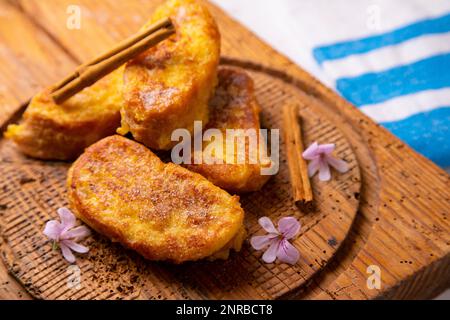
column 277, row 240
column 65, row 233
column 321, row 160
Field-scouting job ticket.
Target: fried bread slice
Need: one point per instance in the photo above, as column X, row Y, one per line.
column 163, row 211
column 62, row 132
column 234, row 106
column 168, row 86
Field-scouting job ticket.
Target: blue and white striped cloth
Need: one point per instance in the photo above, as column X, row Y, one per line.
column 401, row 79
column 389, row 58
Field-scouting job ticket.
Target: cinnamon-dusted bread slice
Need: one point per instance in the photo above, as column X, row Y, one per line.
column 168, row 86
column 62, row 131
column 234, row 106
column 163, row 211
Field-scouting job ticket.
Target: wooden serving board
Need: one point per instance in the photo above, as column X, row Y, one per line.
column 33, row 190
column 390, row 210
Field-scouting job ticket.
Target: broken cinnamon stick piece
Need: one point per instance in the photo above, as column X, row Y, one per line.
column 88, row 73
column 298, row 168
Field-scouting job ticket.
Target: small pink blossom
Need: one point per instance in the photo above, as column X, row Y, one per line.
column 277, row 240
column 65, row 233
column 321, row 158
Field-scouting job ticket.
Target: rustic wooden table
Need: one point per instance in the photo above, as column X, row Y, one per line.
column 402, row 223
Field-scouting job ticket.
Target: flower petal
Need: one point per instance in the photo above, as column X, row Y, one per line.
column 313, row 166
column 338, row 164
column 326, row 148
column 67, row 253
column 287, row 252
column 75, row 246
column 260, row 242
column 53, row 229
column 324, row 171
column 267, row 224
column 76, row 233
column 68, row 220
column 271, row 254
column 311, row 152
column 289, row 227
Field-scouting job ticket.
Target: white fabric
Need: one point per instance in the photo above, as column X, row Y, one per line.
column 295, row 27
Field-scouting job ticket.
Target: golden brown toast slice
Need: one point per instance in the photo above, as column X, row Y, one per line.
column 234, row 106
column 163, row 211
column 168, row 87
column 62, row 132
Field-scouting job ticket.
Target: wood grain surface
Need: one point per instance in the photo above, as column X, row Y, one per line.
column 402, row 222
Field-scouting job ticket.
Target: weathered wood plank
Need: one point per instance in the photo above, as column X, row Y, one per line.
column 29, row 60
column 105, row 21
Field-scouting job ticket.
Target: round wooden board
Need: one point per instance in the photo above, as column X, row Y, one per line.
column 31, row 191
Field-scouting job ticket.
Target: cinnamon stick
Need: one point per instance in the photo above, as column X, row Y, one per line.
column 88, row 73
column 298, row 168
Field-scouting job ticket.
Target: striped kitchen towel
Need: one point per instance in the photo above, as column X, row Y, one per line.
column 400, row 78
